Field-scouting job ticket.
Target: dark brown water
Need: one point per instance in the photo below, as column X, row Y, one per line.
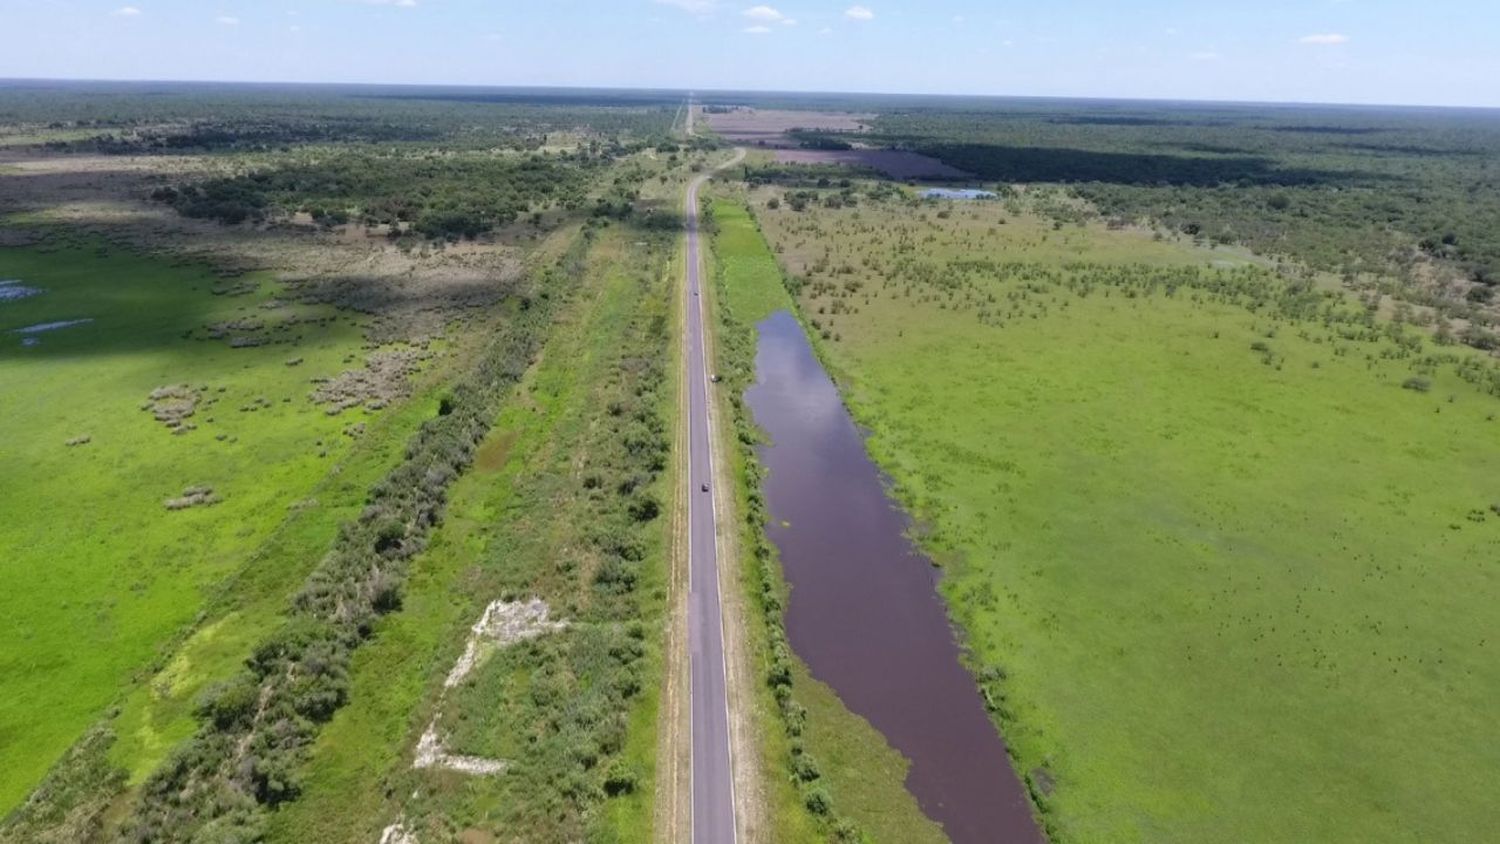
column 864, row 612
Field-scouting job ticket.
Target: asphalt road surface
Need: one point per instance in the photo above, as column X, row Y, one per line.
column 712, row 773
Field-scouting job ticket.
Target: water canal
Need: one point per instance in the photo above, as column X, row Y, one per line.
column 864, row 612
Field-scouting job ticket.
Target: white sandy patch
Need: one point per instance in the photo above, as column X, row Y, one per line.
column 40, row 328
column 432, row 754
column 502, row 624
column 397, row 833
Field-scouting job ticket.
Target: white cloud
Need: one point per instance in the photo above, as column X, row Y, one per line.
column 227, row 20
column 1205, row 56
column 763, row 13
column 757, row 30
column 859, row 13
column 1325, row 38
column 126, row 12
column 696, row 7
column 404, row 4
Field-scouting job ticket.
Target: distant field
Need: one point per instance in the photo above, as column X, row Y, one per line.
column 769, row 126
column 1223, row 577
column 100, row 575
column 898, row 164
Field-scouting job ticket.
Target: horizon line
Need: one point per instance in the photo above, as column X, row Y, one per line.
column 4, row 80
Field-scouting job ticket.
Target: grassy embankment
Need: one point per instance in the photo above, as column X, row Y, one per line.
column 561, row 505
column 831, row 774
column 102, row 580
column 1222, row 577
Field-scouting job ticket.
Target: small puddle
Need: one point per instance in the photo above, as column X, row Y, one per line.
column 44, row 327
column 12, row 289
column 864, row 611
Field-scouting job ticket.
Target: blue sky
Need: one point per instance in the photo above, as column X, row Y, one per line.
column 1440, row 52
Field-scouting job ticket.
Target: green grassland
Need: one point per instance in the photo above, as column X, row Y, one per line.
column 829, row 773
column 101, row 577
column 574, row 712
column 1221, row 576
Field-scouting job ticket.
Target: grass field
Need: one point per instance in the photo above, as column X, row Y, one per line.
column 101, row 577
column 859, row 773
column 1223, row 577
column 524, row 523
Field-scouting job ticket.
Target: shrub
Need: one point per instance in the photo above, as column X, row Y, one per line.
column 621, row 779
column 817, row 801
column 804, row 768
column 228, row 703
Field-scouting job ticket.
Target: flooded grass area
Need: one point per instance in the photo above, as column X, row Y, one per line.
column 1223, row 559
column 12, row 289
column 104, row 567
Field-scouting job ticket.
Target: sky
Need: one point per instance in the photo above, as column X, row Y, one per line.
column 1438, row 52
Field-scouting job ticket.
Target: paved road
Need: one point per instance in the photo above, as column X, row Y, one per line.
column 712, row 772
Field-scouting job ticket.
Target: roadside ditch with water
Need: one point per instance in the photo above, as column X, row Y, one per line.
column 864, row 612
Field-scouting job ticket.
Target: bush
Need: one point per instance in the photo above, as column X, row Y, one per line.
column 817, row 801
column 804, row 768
column 1417, row 383
column 228, row 703
column 621, row 779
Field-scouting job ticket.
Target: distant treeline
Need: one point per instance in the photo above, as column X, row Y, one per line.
column 146, row 117
column 1344, row 189
column 439, row 196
